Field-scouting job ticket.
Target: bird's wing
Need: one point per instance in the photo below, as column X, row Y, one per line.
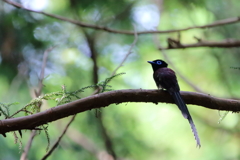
column 166, row 79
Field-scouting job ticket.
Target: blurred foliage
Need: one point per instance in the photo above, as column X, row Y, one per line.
column 138, row 131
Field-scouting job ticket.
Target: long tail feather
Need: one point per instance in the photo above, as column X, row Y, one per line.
column 183, row 108
column 181, row 104
column 194, row 130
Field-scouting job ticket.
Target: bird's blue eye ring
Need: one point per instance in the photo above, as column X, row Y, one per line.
column 159, row 62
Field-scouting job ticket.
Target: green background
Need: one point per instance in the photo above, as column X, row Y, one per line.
column 137, row 130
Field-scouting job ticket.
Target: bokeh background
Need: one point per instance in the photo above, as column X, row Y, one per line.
column 138, row 131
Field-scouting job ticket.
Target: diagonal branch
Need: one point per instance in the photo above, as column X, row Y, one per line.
column 94, row 54
column 44, row 63
column 86, row 143
column 165, row 55
column 59, row 139
column 129, row 52
column 36, row 94
column 103, row 28
column 114, row 97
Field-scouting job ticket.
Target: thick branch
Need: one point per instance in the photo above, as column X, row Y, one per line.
column 103, row 28
column 201, row 43
column 114, row 97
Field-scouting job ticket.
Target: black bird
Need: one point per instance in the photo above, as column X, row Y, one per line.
column 165, row 78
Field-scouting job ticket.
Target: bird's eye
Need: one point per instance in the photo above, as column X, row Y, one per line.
column 159, row 62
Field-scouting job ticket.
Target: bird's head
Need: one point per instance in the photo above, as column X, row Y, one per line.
column 156, row 64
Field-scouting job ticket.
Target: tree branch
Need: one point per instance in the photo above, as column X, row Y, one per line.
column 129, row 52
column 113, row 97
column 86, row 143
column 36, row 94
column 173, row 44
column 59, row 139
column 103, row 28
column 102, row 128
column 165, row 55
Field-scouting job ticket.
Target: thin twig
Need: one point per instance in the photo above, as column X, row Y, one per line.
column 157, row 43
column 184, row 78
column 59, row 139
column 28, row 145
column 106, row 137
column 108, row 141
column 36, row 94
column 87, row 144
column 95, row 79
column 44, row 62
column 90, row 42
column 94, row 55
column 71, row 120
column 129, row 51
column 103, row 28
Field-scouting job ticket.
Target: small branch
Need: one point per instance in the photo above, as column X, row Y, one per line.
column 87, row 144
column 28, row 145
column 35, row 95
column 44, row 63
column 202, row 43
column 184, row 78
column 104, row 133
column 196, row 88
column 103, row 28
column 59, row 139
column 114, row 97
column 129, row 52
column 107, row 139
column 94, row 54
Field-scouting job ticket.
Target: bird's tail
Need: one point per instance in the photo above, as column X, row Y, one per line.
column 182, row 106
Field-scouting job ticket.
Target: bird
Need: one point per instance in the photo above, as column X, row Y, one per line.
column 165, row 78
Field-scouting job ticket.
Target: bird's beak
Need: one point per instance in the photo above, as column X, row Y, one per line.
column 150, row 62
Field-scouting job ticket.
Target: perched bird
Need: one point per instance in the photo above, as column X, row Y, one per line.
column 165, row 78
